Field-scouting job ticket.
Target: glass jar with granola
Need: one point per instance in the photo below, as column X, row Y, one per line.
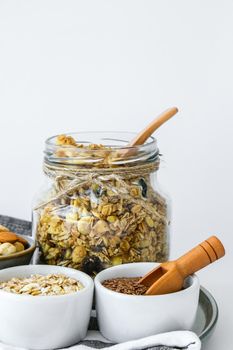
column 102, row 205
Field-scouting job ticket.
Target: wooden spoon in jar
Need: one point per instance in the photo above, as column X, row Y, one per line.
column 169, row 277
column 154, row 125
column 143, row 135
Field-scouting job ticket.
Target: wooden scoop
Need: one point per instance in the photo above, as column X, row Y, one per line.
column 169, row 277
column 154, row 125
column 143, row 135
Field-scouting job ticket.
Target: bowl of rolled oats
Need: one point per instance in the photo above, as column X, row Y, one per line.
column 15, row 249
column 120, row 300
column 44, row 307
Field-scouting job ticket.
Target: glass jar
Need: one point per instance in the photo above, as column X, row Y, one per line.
column 102, row 205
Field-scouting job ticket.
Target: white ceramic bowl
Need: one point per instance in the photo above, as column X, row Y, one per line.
column 124, row 317
column 44, row 322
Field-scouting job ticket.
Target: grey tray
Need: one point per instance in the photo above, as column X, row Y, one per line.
column 207, row 315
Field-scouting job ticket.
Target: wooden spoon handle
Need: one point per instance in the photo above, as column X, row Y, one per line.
column 154, row 125
column 200, row 256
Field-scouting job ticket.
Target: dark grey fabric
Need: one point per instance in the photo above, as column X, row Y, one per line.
column 24, row 227
column 16, row 225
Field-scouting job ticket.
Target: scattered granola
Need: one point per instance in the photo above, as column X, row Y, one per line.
column 53, row 284
column 125, row 285
column 97, row 215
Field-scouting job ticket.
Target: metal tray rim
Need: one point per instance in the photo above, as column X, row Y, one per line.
column 215, row 312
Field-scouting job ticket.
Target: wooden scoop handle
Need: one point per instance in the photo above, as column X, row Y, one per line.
column 154, row 125
column 200, row 256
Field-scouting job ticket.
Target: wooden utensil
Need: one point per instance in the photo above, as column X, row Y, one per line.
column 143, row 135
column 154, row 125
column 169, row 277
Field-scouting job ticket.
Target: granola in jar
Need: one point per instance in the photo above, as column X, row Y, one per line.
column 103, row 206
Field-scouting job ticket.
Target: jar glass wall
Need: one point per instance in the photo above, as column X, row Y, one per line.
column 102, row 205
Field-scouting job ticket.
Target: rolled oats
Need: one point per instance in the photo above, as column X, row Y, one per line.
column 53, row 284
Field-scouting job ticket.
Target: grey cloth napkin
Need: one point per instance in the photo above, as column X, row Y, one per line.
column 182, row 340
column 167, row 341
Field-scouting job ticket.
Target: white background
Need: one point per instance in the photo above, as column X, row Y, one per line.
column 113, row 65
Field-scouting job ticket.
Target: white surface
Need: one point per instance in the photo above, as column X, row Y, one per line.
column 44, row 322
column 114, row 64
column 180, row 307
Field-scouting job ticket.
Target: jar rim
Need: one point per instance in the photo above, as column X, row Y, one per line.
column 112, row 140
column 150, row 141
